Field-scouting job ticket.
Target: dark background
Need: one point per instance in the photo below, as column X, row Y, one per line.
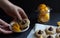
column 30, row 6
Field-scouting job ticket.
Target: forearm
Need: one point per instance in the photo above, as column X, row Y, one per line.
column 5, row 4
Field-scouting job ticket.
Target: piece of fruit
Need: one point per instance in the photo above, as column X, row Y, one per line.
column 47, row 16
column 16, row 24
column 44, row 18
column 41, row 6
column 16, row 27
column 46, row 8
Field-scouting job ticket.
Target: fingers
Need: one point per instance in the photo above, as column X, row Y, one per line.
column 5, row 32
column 18, row 15
column 1, row 26
column 3, row 23
column 22, row 13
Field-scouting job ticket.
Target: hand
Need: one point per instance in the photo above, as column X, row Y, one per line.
column 13, row 10
column 4, row 27
column 16, row 12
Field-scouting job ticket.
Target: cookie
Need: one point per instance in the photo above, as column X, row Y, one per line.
column 49, row 36
column 58, row 35
column 50, row 30
column 58, row 30
column 24, row 23
column 40, row 34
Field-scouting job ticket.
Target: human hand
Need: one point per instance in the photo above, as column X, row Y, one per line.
column 16, row 12
column 4, row 27
column 13, row 10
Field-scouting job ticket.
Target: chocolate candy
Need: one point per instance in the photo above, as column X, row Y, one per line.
column 50, row 29
column 59, row 35
column 23, row 22
column 40, row 32
column 49, row 37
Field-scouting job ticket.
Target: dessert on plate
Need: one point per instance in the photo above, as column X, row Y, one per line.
column 24, row 23
column 18, row 26
column 58, row 35
column 58, row 30
column 49, row 36
column 50, row 30
column 40, row 34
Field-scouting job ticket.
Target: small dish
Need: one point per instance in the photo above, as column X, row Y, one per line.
column 21, row 30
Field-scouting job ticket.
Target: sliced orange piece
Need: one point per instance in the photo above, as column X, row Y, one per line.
column 16, row 27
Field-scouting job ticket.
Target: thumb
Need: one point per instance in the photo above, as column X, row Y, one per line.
column 5, row 32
